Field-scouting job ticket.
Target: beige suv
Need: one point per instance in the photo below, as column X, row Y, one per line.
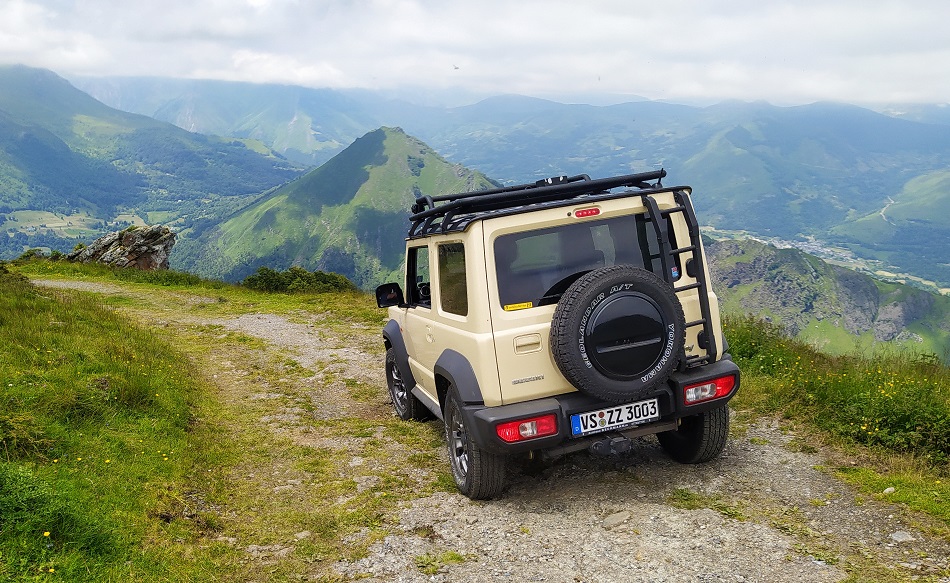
column 559, row 316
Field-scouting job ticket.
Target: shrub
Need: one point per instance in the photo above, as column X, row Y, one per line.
column 898, row 401
column 297, row 280
column 32, row 254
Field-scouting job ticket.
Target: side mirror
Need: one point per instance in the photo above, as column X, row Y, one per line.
column 389, row 294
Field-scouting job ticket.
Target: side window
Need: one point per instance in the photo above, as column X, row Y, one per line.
column 417, row 277
column 453, row 290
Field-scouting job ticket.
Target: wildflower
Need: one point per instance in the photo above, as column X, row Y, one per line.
column 107, row 461
column 52, row 570
column 56, row 461
column 78, row 459
column 46, row 533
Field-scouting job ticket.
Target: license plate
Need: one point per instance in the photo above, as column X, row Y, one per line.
column 615, row 417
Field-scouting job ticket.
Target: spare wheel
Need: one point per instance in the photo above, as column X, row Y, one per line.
column 617, row 333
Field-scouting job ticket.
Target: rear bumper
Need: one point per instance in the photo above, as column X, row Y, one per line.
column 480, row 421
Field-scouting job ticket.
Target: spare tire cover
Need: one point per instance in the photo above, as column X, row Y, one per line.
column 618, row 332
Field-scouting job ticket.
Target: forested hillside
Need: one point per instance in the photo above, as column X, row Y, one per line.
column 348, row 216
column 799, row 174
column 72, row 168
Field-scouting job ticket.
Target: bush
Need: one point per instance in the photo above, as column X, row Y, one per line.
column 32, row 254
column 297, row 280
column 900, row 402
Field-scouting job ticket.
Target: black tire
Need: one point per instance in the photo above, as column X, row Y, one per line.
column 408, row 408
column 479, row 474
column 700, row 438
column 617, row 333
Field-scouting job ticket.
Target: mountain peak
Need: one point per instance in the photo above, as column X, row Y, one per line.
column 348, row 216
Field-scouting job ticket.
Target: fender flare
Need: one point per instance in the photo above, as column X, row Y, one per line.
column 458, row 371
column 393, row 337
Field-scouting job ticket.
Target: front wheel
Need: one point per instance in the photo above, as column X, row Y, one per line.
column 700, row 438
column 479, row 474
column 407, row 406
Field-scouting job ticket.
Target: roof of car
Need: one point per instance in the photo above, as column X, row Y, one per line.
column 455, row 212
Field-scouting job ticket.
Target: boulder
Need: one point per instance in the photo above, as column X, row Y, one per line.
column 146, row 248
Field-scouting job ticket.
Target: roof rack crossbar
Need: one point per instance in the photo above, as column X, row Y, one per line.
column 559, row 188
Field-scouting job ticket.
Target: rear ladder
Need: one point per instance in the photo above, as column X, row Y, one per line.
column 693, row 265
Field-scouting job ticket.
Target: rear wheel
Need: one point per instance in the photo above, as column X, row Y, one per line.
column 700, row 438
column 408, row 408
column 479, row 474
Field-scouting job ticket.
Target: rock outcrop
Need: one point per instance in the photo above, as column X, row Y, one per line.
column 793, row 289
column 146, row 248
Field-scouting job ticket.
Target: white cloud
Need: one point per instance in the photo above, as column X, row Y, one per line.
column 786, row 52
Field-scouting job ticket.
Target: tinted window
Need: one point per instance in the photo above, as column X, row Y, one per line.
column 452, row 284
column 535, row 267
column 417, row 277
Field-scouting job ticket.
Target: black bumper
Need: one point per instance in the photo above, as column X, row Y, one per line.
column 480, row 421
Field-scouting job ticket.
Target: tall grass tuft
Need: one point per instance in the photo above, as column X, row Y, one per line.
column 897, row 401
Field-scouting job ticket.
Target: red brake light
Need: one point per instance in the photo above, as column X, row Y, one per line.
column 591, row 212
column 709, row 390
column 530, row 428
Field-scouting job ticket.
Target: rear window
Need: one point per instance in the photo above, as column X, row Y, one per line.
column 535, row 267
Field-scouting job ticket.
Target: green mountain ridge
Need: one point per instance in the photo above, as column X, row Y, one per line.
column 832, row 307
column 70, row 165
column 349, row 216
column 794, row 173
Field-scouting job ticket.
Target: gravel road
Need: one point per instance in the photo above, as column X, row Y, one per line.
column 767, row 510
column 774, row 515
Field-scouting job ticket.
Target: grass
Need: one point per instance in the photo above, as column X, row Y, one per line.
column 96, row 437
column 687, row 499
column 140, row 467
column 210, row 509
column 891, row 411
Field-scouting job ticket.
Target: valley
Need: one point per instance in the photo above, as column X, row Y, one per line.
column 323, row 180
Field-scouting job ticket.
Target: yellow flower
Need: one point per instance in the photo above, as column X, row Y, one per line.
column 46, row 533
column 52, row 570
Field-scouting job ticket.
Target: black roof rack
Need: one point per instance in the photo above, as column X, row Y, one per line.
column 454, row 212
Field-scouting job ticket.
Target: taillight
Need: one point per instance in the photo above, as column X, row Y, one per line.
column 588, row 212
column 708, row 390
column 531, row 428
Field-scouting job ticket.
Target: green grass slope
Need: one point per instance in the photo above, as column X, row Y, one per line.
column 835, row 309
column 65, row 153
column 911, row 230
column 348, row 216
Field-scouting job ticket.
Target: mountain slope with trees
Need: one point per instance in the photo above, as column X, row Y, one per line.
column 832, row 307
column 70, row 166
column 793, row 173
column 348, row 216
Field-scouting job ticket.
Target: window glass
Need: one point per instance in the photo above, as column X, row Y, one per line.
column 417, row 273
column 452, row 284
column 535, row 267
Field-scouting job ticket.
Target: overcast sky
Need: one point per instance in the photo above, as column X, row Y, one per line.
column 857, row 51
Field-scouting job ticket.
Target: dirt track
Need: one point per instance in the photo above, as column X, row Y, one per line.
column 768, row 510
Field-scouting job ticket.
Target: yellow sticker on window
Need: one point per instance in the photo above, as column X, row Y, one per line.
column 522, row 306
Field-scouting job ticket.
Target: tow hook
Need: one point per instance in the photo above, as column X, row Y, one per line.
column 611, row 446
